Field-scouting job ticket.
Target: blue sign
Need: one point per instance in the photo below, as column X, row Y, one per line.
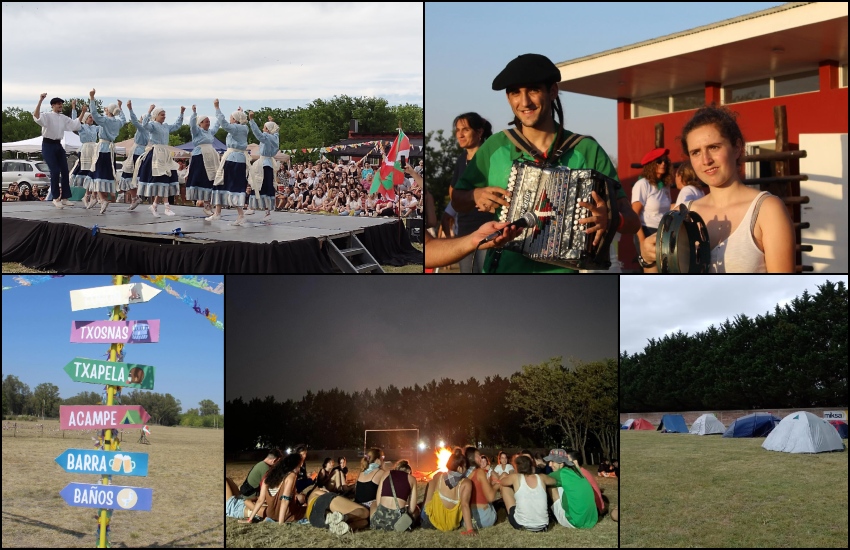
column 111, row 497
column 114, row 463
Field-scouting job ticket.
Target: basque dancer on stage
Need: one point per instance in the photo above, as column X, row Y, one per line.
column 81, row 173
column 141, row 140
column 231, row 180
column 54, row 124
column 205, row 161
column 103, row 162
column 157, row 173
column 263, row 170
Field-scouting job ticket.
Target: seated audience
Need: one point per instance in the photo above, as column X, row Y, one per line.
column 524, row 494
column 572, row 496
column 384, row 508
column 447, row 498
column 278, row 492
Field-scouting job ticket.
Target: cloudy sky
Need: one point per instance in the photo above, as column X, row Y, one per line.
column 254, row 55
column 651, row 307
column 290, row 334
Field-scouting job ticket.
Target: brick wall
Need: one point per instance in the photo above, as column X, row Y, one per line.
column 726, row 417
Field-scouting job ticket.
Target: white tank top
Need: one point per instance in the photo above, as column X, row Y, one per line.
column 531, row 510
column 738, row 253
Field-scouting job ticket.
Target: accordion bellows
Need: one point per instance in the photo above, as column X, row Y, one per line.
column 552, row 194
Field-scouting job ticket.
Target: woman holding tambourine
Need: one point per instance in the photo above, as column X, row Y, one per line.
column 651, row 193
column 748, row 231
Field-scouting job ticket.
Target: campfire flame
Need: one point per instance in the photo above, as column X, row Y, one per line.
column 443, row 456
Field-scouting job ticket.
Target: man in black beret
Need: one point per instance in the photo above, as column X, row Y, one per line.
column 53, row 127
column 531, row 86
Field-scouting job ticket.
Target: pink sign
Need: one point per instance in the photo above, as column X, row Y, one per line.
column 86, row 417
column 115, row 332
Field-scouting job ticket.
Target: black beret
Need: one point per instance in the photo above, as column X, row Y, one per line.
column 529, row 68
column 56, row 100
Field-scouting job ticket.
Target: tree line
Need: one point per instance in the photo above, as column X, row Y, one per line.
column 546, row 405
column 164, row 409
column 320, row 123
column 795, row 357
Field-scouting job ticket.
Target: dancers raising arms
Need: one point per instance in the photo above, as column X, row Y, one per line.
column 263, row 170
column 204, row 163
column 103, row 161
column 141, row 140
column 81, row 173
column 53, row 126
column 157, row 173
column 231, row 180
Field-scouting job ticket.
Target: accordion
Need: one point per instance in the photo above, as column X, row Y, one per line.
column 552, row 194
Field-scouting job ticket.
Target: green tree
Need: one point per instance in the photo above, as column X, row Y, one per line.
column 207, row 407
column 46, row 400
column 441, row 154
column 84, row 398
column 18, row 124
column 17, row 395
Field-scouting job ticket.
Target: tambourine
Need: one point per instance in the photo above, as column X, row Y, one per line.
column 682, row 245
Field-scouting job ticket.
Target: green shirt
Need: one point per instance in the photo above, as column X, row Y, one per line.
column 578, row 501
column 257, row 473
column 491, row 167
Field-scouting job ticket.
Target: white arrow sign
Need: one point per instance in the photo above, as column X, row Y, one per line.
column 107, row 296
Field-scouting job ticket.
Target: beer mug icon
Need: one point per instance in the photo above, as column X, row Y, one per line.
column 116, row 462
column 129, row 465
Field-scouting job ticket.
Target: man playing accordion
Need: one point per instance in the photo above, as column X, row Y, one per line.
column 531, row 87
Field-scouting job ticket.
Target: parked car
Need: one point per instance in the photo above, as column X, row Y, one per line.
column 28, row 173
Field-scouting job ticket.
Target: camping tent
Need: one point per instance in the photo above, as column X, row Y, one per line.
column 71, row 143
column 841, row 426
column 752, row 425
column 254, row 151
column 641, row 424
column 707, row 424
column 627, row 424
column 674, row 423
column 803, row 432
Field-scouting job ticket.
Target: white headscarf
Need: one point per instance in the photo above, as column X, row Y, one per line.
column 113, row 109
column 202, row 117
column 240, row 116
column 272, row 127
column 155, row 112
column 87, row 115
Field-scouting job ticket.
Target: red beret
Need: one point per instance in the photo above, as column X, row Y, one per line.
column 655, row 154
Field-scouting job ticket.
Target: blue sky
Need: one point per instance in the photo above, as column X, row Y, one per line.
column 467, row 45
column 189, row 357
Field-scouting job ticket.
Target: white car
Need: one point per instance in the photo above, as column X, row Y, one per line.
column 28, row 173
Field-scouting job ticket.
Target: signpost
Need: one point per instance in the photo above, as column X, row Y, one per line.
column 108, row 497
column 94, row 371
column 109, row 332
column 85, row 461
column 86, row 417
column 117, row 295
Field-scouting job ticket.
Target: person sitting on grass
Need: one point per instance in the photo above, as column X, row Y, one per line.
column 502, row 468
column 335, row 513
column 601, row 501
column 483, row 493
column 327, row 474
column 234, row 505
column 615, row 467
column 540, row 464
column 277, row 491
column 485, row 465
column 383, row 512
column 366, row 488
column 524, row 494
column 250, row 488
column 573, row 502
column 602, row 471
column 304, row 481
column 447, row 498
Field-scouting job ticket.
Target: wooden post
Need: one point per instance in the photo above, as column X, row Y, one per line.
column 659, row 135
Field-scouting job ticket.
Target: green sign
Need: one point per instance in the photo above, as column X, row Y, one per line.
column 95, row 371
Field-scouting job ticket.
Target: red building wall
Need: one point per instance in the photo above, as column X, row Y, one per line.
column 810, row 113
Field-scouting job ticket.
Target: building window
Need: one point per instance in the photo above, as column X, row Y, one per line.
column 844, row 76
column 652, row 106
column 688, row 100
column 747, row 91
column 796, row 83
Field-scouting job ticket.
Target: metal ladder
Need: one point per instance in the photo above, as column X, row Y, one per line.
column 353, row 256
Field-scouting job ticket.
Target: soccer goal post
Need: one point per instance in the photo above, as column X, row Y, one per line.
column 411, row 454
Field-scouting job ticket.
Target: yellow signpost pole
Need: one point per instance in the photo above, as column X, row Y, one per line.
column 114, row 349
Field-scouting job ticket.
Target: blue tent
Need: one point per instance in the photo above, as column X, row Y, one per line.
column 841, row 427
column 673, row 423
column 752, row 425
column 217, row 145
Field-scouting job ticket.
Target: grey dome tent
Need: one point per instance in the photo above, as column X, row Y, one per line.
column 803, row 432
column 707, row 424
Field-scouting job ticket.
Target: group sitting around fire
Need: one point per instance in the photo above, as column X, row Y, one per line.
column 465, row 496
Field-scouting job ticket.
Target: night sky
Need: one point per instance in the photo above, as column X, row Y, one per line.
column 289, row 334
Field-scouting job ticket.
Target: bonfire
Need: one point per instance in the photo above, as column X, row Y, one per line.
column 442, row 455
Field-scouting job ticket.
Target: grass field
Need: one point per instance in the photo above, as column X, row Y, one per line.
column 501, row 535
column 185, row 475
column 706, row 491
